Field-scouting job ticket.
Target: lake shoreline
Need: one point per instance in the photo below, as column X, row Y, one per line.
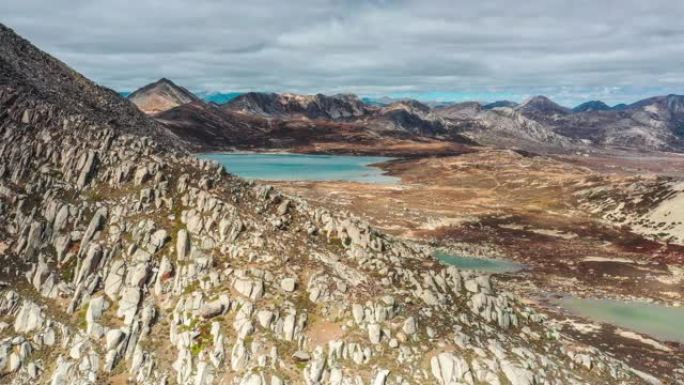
column 397, row 148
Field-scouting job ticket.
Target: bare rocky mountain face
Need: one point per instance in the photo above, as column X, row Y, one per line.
column 160, row 96
column 125, row 261
column 505, row 127
column 409, row 117
column 288, row 105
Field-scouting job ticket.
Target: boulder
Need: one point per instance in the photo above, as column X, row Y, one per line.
column 128, row 304
column 374, row 333
column 448, row 369
column 409, row 327
column 288, row 284
column 182, row 244
column 517, row 375
column 252, row 288
column 30, row 318
column 157, row 240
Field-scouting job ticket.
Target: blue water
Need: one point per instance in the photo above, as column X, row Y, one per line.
column 293, row 167
column 659, row 321
column 479, row 264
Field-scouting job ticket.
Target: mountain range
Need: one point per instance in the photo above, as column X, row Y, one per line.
column 270, row 119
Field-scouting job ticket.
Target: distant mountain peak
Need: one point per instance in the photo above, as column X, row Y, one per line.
column 539, row 100
column 160, row 96
column 592, row 105
column 542, row 104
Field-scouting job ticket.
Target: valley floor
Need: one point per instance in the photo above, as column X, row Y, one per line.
column 537, row 210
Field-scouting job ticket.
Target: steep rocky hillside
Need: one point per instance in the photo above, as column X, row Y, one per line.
column 127, row 262
column 161, row 96
column 31, row 74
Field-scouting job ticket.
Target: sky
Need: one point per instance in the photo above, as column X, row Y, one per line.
column 447, row 50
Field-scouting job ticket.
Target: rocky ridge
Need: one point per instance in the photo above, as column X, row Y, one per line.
column 290, row 105
column 33, row 74
column 125, row 261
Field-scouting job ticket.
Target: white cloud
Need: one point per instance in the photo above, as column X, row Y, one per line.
column 569, row 49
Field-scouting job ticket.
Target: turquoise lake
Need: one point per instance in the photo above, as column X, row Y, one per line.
column 479, row 264
column 293, row 167
column 659, row 321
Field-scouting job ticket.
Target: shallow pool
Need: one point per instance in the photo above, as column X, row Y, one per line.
column 659, row 321
column 480, row 264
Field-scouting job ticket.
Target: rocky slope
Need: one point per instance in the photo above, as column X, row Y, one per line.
column 127, row 262
column 542, row 109
column 161, row 96
column 505, row 127
column 647, row 205
column 650, row 124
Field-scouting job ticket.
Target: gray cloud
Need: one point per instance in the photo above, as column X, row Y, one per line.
column 571, row 50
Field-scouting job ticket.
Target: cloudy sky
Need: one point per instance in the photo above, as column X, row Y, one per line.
column 571, row 50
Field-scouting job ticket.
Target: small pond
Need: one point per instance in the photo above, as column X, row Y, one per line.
column 303, row 167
